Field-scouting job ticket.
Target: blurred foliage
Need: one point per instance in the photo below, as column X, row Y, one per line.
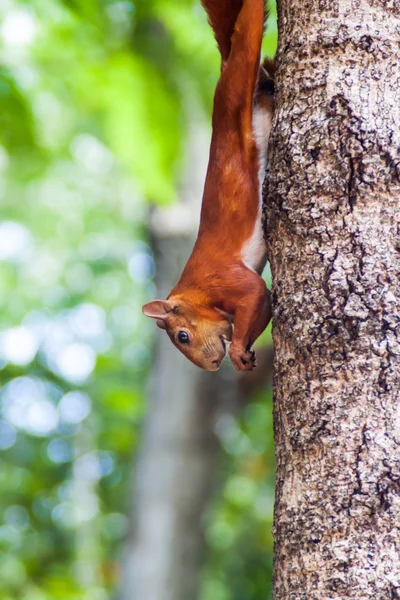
column 239, row 527
column 94, row 98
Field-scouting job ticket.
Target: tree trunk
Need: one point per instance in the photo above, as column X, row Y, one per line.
column 332, row 228
column 179, row 455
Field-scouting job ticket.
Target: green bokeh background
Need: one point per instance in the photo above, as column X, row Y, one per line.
column 94, row 98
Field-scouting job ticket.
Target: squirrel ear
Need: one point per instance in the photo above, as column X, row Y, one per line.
column 157, row 309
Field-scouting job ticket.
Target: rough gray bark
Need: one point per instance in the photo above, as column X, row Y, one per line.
column 332, row 228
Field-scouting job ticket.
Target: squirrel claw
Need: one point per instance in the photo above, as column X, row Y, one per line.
column 243, row 360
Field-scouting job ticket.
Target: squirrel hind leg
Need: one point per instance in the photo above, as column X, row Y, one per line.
column 265, row 84
column 263, row 109
column 269, row 65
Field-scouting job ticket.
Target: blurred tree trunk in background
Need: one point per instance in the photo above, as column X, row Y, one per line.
column 179, row 457
column 333, row 224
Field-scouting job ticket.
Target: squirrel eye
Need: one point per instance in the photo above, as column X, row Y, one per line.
column 183, row 337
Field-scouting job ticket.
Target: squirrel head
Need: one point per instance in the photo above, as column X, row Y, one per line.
column 199, row 332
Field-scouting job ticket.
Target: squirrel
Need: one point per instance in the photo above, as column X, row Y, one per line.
column 221, row 283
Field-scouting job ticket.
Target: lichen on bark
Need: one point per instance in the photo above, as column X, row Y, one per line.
column 332, row 225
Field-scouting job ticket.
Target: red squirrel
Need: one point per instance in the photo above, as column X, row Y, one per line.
column 221, row 283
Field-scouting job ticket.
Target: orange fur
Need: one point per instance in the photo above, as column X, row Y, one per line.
column 217, row 285
column 222, row 16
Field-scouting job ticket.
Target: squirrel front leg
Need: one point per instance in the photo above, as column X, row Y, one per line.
column 252, row 315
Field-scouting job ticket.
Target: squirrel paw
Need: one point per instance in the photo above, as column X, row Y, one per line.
column 243, row 360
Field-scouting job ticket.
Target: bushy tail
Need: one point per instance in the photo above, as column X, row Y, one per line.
column 233, row 101
column 222, row 16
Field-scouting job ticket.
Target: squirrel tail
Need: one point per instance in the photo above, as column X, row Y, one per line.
column 234, row 95
column 222, row 16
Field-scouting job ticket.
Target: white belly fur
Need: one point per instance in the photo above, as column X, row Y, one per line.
column 254, row 251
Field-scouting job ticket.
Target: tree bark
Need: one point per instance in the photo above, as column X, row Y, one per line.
column 332, row 224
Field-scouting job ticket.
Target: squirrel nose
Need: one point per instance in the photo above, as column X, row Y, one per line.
column 217, row 362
